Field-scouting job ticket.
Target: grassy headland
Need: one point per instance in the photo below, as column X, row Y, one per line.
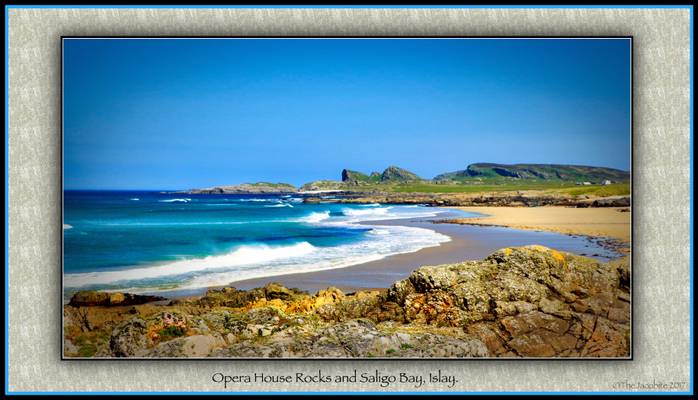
column 483, row 178
column 616, row 189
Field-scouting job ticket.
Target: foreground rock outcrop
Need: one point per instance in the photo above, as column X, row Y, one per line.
column 90, row 298
column 518, row 302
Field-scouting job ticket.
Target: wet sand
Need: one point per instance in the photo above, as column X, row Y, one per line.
column 609, row 222
column 467, row 243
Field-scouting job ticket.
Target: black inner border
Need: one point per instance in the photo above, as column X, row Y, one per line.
column 468, row 359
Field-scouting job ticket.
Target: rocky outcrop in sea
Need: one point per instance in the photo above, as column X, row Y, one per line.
column 247, row 188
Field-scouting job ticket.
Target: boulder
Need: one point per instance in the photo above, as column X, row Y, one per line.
column 129, row 339
column 90, row 298
column 533, row 301
column 189, row 347
column 277, row 291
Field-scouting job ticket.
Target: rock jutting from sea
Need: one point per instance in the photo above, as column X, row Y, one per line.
column 247, row 188
column 518, row 302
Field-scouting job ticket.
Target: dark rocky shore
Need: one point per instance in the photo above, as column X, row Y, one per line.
column 518, row 302
column 495, row 199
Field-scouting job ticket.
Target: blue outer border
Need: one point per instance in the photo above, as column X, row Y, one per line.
column 354, row 6
column 7, row 392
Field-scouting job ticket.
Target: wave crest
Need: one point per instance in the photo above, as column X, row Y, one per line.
column 315, row 217
column 248, row 255
column 279, row 205
column 175, row 201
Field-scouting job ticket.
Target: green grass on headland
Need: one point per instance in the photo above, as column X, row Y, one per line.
column 465, row 188
column 616, row 189
column 566, row 188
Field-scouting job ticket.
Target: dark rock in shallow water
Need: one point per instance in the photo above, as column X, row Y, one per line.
column 611, row 201
column 248, row 188
column 91, row 298
column 621, row 201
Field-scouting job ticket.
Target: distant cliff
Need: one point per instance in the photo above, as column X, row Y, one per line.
column 355, row 177
column 248, row 188
column 392, row 174
column 354, row 180
column 397, row 174
column 542, row 172
column 393, row 178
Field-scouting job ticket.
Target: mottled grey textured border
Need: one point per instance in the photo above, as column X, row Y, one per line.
column 661, row 204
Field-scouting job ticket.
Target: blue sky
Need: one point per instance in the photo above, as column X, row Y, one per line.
column 176, row 114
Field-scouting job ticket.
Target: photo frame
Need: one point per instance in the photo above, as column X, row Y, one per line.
column 345, row 367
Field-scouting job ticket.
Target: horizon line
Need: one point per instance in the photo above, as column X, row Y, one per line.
column 337, row 180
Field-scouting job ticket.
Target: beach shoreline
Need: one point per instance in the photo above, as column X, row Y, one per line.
column 611, row 222
column 249, row 318
column 469, row 241
column 471, row 238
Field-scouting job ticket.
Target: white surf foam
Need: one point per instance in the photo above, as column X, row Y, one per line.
column 279, row 205
column 393, row 240
column 315, row 217
column 258, row 261
column 192, row 223
column 257, row 200
column 242, row 256
column 366, row 213
column 175, row 201
column 387, row 212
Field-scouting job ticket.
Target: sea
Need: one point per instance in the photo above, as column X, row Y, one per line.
column 151, row 241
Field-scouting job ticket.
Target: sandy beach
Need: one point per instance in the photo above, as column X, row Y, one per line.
column 469, row 242
column 600, row 222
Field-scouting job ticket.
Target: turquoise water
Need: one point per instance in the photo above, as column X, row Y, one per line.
column 149, row 241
